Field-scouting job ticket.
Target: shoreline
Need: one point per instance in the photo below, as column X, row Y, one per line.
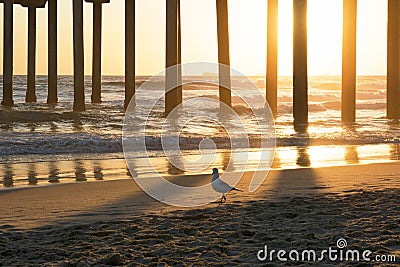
column 43, row 170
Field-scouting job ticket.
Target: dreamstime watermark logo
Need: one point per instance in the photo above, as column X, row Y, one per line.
column 333, row 254
column 200, row 123
column 341, row 243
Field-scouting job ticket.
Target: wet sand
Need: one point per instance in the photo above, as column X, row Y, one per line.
column 115, row 223
column 39, row 170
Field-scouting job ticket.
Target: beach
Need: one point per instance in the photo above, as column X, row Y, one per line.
column 116, row 223
column 125, row 124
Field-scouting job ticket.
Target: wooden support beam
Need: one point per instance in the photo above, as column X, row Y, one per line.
column 96, row 68
column 31, row 3
column 223, row 52
column 52, row 52
column 130, row 84
column 8, row 52
column 179, row 92
column 31, row 89
column 300, row 75
column 349, row 61
column 272, row 56
column 79, row 76
column 171, row 75
column 393, row 60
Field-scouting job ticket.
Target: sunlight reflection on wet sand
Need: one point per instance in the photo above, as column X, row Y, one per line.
column 92, row 168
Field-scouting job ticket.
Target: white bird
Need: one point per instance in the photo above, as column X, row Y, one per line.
column 220, row 186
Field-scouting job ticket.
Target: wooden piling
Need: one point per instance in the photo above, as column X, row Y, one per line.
column 31, row 89
column 272, row 56
column 171, row 57
column 52, row 52
column 96, row 68
column 79, row 77
column 393, row 60
column 349, row 62
column 8, row 44
column 300, row 79
column 179, row 90
column 130, row 84
column 223, row 52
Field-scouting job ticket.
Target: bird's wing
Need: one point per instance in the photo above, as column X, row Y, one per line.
column 221, row 187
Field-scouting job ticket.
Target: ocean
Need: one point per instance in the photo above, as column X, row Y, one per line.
column 42, row 144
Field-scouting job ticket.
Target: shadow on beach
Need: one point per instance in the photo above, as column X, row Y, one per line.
column 228, row 234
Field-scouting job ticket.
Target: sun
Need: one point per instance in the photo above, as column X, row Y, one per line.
column 324, row 21
column 248, row 35
column 325, row 29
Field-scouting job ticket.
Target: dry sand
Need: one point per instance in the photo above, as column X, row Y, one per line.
column 115, row 223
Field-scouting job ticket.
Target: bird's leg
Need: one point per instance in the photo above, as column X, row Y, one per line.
column 224, row 198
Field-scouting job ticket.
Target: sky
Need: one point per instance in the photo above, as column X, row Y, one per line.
column 247, row 23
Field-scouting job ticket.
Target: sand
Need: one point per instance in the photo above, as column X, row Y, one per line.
column 115, row 223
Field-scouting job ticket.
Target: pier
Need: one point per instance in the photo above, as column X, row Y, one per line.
column 393, row 60
column 272, row 56
column 171, row 56
column 349, row 61
column 96, row 68
column 173, row 49
column 300, row 63
column 129, row 51
column 52, row 52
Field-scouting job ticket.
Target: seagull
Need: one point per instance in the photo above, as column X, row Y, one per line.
column 220, row 186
